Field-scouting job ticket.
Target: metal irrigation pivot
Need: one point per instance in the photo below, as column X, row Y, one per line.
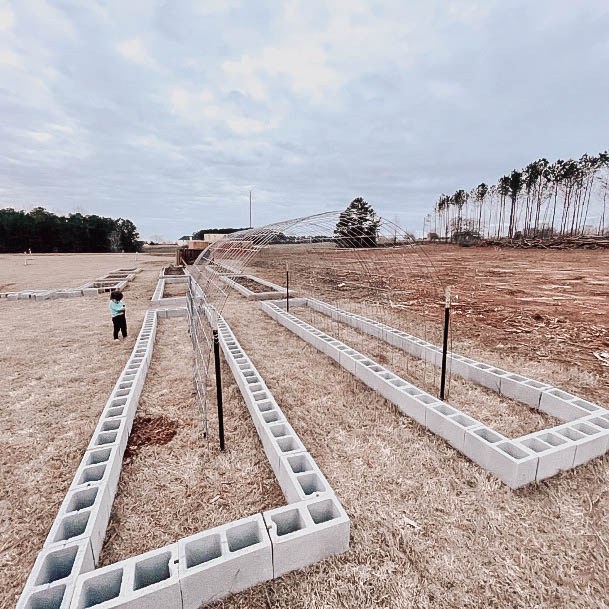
column 218, row 387
column 287, row 286
column 445, row 342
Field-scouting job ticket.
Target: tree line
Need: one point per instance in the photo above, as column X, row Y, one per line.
column 40, row 230
column 543, row 200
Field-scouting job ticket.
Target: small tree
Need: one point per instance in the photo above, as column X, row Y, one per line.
column 357, row 226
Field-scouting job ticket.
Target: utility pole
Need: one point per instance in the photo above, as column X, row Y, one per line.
column 250, row 209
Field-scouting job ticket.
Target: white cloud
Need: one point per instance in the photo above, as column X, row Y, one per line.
column 304, row 65
column 40, row 136
column 135, row 50
column 10, row 58
column 215, row 7
column 7, row 18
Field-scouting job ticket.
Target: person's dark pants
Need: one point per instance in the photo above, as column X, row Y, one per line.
column 120, row 323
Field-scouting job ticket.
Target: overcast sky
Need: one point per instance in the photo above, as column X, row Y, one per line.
column 169, row 112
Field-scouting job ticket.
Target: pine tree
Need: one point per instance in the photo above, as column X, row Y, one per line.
column 357, row 226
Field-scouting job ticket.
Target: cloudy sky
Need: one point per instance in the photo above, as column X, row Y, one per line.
column 169, row 112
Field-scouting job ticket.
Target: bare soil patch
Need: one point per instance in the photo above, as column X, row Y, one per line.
column 175, row 289
column 150, row 431
column 174, row 270
column 251, row 285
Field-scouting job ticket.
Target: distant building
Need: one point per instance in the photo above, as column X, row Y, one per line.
column 213, row 237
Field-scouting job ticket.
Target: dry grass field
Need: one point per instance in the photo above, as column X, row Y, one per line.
column 430, row 529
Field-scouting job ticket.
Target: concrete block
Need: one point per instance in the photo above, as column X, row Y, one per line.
column 486, row 375
column 414, row 403
column 449, row 423
column 565, row 406
column 301, row 479
column 52, row 577
column 555, row 452
column 110, row 432
column 150, row 579
column 305, row 533
column 479, row 445
column 590, row 440
column 523, row 390
column 279, row 439
column 85, row 524
column 515, row 465
column 100, row 466
column 224, row 560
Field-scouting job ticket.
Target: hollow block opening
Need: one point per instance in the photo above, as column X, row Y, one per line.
column 151, row 571
column 203, row 550
column 488, row 435
column 287, row 444
column 324, row 511
column 551, row 439
column 82, row 499
column 311, row 483
column 93, row 473
column 243, row 536
column 51, row 598
column 100, row 589
column 56, row 565
column 98, row 456
column 287, row 522
column 512, row 450
column 72, row 525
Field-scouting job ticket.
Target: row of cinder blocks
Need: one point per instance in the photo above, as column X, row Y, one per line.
column 274, row 291
column 84, row 290
column 76, row 536
column 210, row 565
column 516, row 462
column 173, row 301
column 542, row 396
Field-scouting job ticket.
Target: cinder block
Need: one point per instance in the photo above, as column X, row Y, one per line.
column 590, row 440
column 305, row 533
column 523, row 390
column 486, row 375
column 110, row 432
column 301, row 479
column 85, row 524
column 279, row 439
column 52, row 578
column 224, row 560
column 515, row 465
column 100, row 466
column 555, row 452
column 414, row 403
column 479, row 444
column 565, row 406
column 141, row 582
column 440, row 419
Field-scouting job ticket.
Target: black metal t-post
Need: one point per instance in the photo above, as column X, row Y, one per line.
column 287, row 287
column 445, row 342
column 219, row 388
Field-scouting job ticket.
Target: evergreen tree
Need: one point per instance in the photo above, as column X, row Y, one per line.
column 357, row 226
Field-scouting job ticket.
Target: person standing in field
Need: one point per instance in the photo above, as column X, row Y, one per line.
column 117, row 308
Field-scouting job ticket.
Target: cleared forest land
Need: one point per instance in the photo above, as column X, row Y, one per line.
column 430, row 528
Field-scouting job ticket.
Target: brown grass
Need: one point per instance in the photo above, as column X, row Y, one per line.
column 59, row 364
column 46, row 271
column 477, row 544
column 187, row 485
